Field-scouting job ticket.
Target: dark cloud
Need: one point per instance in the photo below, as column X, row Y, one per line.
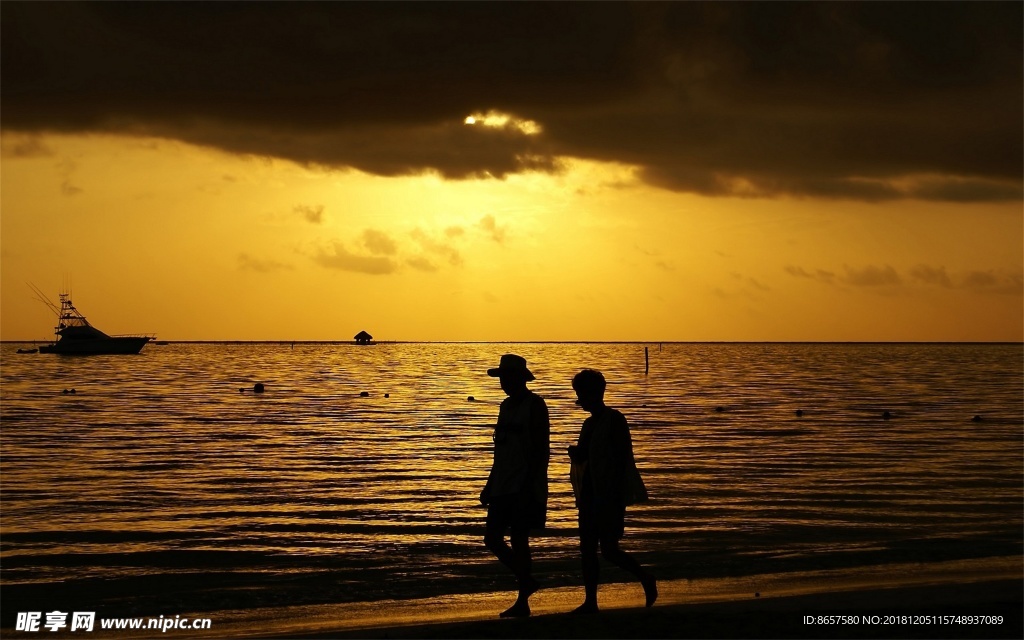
column 312, row 213
column 249, row 263
column 931, row 275
column 422, row 264
column 338, row 257
column 994, row 281
column 436, row 247
column 866, row 276
column 819, row 274
column 871, row 276
column 657, row 259
column 758, row 285
column 68, row 189
column 378, row 253
column 25, row 147
column 869, row 101
column 491, row 227
column 749, row 283
column 379, row 243
column 66, row 168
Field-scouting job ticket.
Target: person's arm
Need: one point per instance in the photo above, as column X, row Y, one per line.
column 622, row 452
column 540, row 442
column 624, row 442
column 632, row 484
column 485, row 493
column 541, row 425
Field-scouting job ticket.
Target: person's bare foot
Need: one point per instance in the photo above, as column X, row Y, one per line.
column 521, row 609
column 650, row 590
column 586, row 608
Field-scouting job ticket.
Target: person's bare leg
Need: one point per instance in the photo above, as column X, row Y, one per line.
column 613, row 553
column 527, row 584
column 494, row 540
column 591, row 574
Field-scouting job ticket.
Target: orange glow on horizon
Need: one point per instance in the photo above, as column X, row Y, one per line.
column 190, row 243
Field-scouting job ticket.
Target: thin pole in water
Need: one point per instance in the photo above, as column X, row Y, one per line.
column 647, row 362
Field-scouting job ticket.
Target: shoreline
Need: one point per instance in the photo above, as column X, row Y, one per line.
column 755, row 606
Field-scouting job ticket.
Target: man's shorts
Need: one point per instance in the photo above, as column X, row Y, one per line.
column 516, row 511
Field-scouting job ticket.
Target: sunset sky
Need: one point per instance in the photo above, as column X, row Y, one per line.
column 515, row 171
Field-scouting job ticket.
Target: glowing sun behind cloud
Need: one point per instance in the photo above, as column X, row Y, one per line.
column 498, row 120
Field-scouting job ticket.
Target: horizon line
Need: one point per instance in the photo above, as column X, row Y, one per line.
column 161, row 342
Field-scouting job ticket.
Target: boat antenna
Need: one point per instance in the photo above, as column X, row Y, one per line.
column 41, row 297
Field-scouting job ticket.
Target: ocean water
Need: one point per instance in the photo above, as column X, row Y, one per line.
column 165, row 485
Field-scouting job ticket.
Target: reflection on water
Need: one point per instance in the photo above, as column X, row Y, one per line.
column 159, row 466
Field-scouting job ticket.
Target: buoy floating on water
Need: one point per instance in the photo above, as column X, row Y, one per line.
column 976, row 419
column 886, row 415
column 257, row 388
column 799, row 413
column 364, row 394
column 471, row 399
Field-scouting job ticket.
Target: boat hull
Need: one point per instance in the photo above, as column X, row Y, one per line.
column 104, row 346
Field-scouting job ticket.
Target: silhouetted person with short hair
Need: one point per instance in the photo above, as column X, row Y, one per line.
column 605, row 480
column 516, row 492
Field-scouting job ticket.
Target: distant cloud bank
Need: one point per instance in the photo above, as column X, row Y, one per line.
column 872, row 276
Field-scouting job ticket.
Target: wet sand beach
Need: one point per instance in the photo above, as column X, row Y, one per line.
column 908, row 612
column 907, row 599
column 902, row 612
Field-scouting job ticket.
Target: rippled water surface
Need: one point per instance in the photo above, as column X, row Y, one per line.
column 158, row 482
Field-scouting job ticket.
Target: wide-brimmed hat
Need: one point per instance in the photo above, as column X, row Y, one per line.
column 511, row 364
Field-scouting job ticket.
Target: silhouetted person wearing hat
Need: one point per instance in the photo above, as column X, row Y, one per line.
column 605, row 480
column 516, row 492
